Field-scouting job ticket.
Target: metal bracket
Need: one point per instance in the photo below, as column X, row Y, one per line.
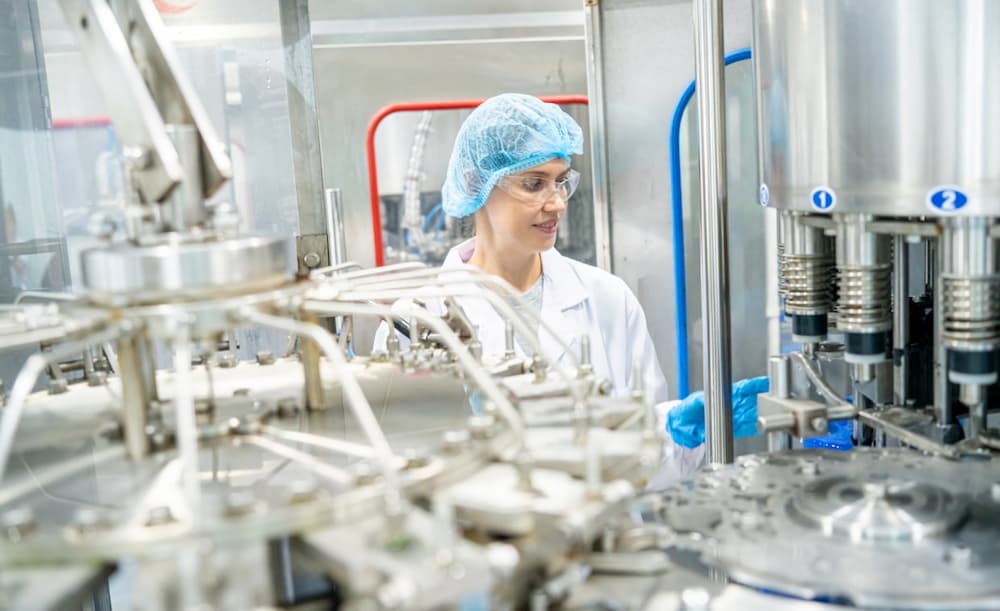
column 312, row 251
column 905, row 228
column 141, row 80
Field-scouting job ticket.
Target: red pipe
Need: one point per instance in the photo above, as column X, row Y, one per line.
column 80, row 122
column 415, row 107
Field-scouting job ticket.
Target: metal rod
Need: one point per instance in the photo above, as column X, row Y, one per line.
column 465, row 359
column 327, row 443
column 187, row 427
column 353, row 392
column 310, row 462
column 593, row 35
column 900, row 317
column 336, row 234
column 942, row 405
column 311, row 368
column 135, row 397
column 708, row 37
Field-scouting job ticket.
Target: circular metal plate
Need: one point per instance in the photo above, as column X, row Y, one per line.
column 872, row 528
column 128, row 274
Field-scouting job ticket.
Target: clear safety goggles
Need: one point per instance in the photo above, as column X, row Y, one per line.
column 534, row 189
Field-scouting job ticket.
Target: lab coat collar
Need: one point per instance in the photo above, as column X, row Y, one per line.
column 563, row 287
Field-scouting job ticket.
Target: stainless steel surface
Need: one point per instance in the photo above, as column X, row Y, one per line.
column 296, row 37
column 336, row 233
column 807, row 267
column 867, row 151
column 594, row 36
column 788, row 523
column 970, row 285
column 779, row 374
column 176, row 270
column 185, row 209
column 863, row 268
column 715, row 254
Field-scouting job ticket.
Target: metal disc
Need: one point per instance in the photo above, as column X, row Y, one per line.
column 129, row 274
column 872, row 528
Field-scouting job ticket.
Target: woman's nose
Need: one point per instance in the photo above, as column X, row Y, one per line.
column 556, row 202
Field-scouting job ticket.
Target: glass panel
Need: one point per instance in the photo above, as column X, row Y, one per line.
column 399, row 150
column 747, row 244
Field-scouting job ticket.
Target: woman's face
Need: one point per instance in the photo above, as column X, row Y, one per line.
column 513, row 216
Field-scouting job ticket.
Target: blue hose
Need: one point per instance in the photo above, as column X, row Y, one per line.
column 677, row 214
column 430, row 217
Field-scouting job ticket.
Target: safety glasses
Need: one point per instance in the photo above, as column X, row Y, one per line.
column 536, row 189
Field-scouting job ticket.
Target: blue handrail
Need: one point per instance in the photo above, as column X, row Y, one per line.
column 677, row 214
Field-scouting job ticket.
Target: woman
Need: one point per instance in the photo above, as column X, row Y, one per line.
column 511, row 168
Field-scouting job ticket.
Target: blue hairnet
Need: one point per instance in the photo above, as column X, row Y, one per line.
column 507, row 134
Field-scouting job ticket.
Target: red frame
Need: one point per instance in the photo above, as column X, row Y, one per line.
column 419, row 107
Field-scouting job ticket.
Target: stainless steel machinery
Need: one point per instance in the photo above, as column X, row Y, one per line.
column 215, row 483
column 878, row 147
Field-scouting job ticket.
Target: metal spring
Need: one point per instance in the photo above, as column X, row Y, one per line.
column 971, row 308
column 864, row 301
column 805, row 283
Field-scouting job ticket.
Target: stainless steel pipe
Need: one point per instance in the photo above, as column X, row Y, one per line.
column 717, row 375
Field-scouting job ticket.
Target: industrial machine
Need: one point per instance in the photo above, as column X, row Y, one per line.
column 155, row 459
column 877, row 149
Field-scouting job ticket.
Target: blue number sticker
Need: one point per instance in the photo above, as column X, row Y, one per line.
column 823, row 199
column 763, row 196
column 946, row 200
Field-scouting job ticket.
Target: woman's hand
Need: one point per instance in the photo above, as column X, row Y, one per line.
column 686, row 420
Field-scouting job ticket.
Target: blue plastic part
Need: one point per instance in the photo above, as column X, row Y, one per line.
column 677, row 219
column 838, row 438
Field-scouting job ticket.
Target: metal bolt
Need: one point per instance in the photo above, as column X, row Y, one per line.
column 289, row 406
column 311, row 259
column 818, row 424
column 86, row 522
column 18, row 523
column 249, row 424
column 98, row 378
column 227, row 360
column 301, row 490
column 239, row 503
column 265, row 357
column 415, row 459
column 695, row 599
column 482, row 427
column 809, row 468
column 58, row 386
column 960, row 556
column 364, row 473
column 158, row 516
column 454, row 441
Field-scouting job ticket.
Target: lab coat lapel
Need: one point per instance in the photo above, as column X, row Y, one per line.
column 563, row 300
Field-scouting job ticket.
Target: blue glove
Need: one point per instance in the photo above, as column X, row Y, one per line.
column 686, row 420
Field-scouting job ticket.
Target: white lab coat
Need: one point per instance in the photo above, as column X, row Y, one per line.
column 578, row 300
